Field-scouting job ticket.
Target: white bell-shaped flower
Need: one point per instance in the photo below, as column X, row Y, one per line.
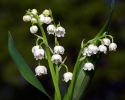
column 88, row 66
column 33, row 20
column 33, row 29
column 56, row 58
column 106, row 41
column 60, row 32
column 93, row 49
column 103, row 48
column 59, row 50
column 39, row 70
column 42, row 18
column 112, row 47
column 86, row 52
column 51, row 29
column 47, row 20
column 67, row 76
column 34, row 48
column 39, row 54
column 26, row 18
column 34, row 11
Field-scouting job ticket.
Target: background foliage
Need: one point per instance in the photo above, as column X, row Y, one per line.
column 81, row 19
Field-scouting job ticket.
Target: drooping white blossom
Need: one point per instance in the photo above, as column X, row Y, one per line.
column 51, row 29
column 103, row 48
column 106, row 41
column 67, row 76
column 93, row 49
column 60, row 32
column 47, row 20
column 86, row 52
column 39, row 54
column 59, row 50
column 39, row 70
column 88, row 66
column 112, row 47
column 26, row 18
column 42, row 18
column 33, row 29
column 34, row 48
column 56, row 58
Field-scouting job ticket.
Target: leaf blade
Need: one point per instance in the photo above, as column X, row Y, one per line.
column 84, row 77
column 23, row 67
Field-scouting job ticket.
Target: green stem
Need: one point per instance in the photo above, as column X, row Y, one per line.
column 57, row 76
column 57, row 91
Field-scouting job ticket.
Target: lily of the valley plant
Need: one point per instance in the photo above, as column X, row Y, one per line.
column 84, row 67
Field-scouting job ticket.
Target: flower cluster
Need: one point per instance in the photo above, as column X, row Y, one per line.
column 92, row 49
column 37, row 50
column 88, row 49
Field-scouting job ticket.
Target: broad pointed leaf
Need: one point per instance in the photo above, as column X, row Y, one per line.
column 84, row 78
column 24, row 69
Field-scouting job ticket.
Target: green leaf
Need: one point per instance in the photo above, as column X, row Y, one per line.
column 83, row 78
column 23, row 67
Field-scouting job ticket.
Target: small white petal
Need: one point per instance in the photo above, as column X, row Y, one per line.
column 33, row 29
column 67, row 76
column 39, row 70
column 112, row 47
column 88, row 66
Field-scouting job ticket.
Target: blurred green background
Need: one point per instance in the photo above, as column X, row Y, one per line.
column 81, row 19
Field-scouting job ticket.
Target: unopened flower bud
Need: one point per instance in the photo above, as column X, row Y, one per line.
column 42, row 18
column 106, row 41
column 46, row 12
column 26, row 18
column 33, row 29
column 33, row 20
column 34, row 11
column 47, row 20
column 34, row 48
